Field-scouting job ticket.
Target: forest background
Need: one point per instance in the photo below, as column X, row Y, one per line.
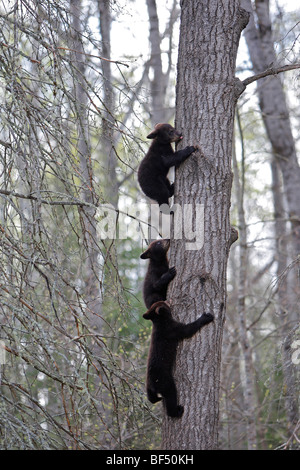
column 82, row 83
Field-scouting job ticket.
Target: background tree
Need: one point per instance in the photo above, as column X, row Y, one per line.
column 159, row 110
column 284, row 164
column 274, row 109
column 263, row 310
column 249, row 377
column 64, row 384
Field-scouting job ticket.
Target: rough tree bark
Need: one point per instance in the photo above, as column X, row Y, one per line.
column 206, row 97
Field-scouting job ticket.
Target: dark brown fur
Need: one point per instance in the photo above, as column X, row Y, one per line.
column 158, row 275
column 166, row 333
column 153, row 169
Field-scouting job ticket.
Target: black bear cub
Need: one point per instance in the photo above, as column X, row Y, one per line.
column 153, row 169
column 158, row 275
column 166, row 333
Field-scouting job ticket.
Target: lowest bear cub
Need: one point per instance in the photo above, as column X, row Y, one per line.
column 158, row 275
column 166, row 333
column 153, row 170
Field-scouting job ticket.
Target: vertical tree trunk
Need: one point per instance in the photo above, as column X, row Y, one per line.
column 206, row 98
column 108, row 138
column 248, row 379
column 277, row 122
column 158, row 83
column 274, row 109
column 92, row 281
column 281, row 246
column 160, row 80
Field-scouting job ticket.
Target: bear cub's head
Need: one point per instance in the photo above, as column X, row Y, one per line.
column 165, row 133
column 157, row 250
column 158, row 311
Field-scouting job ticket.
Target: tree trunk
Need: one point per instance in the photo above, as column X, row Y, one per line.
column 274, row 110
column 247, row 376
column 158, row 83
column 275, row 115
column 108, row 143
column 93, row 268
column 281, row 247
column 206, row 99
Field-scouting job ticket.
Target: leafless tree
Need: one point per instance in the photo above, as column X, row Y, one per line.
column 64, row 384
column 248, row 380
column 285, row 166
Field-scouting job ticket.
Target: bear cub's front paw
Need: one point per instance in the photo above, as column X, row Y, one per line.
column 191, row 149
column 207, row 317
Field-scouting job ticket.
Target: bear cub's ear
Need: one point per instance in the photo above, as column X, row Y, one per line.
column 162, row 309
column 152, row 135
column 158, row 308
column 145, row 255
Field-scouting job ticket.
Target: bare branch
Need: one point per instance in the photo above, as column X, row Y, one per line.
column 270, row 71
